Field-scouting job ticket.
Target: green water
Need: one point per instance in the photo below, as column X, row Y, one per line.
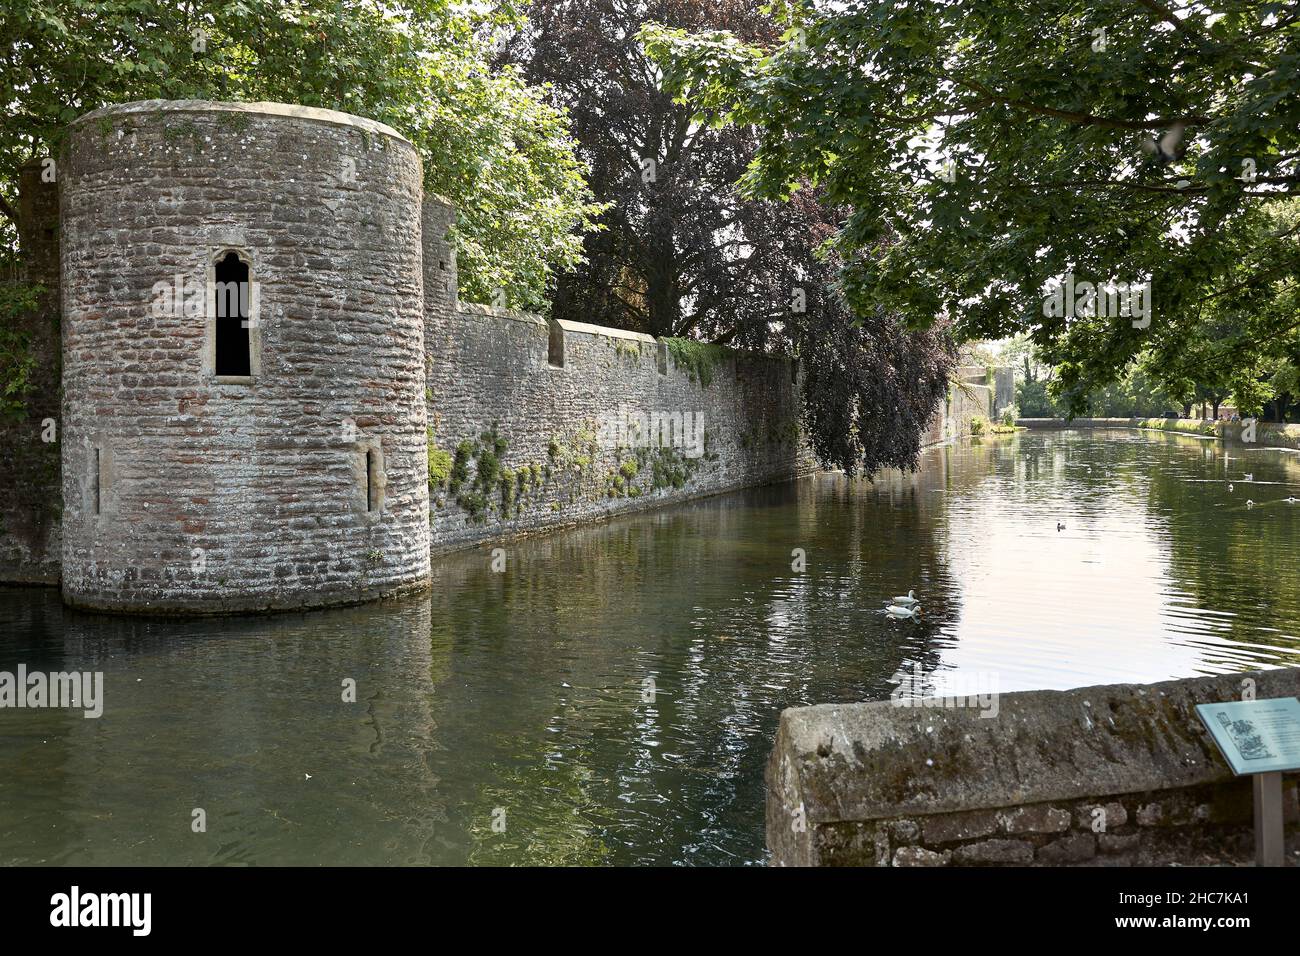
column 524, row 694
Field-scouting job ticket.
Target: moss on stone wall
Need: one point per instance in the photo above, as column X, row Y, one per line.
column 480, row 484
column 185, row 129
column 698, row 359
column 631, row 349
column 440, row 463
column 671, row 469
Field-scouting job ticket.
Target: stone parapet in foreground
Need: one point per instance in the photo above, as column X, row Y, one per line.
column 1108, row 775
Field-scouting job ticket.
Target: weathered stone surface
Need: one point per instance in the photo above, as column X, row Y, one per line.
column 919, row 856
column 1112, row 815
column 1072, row 848
column 219, row 495
column 995, row 851
column 948, row 827
column 490, row 366
column 1041, row 818
column 1151, row 814
column 852, row 844
column 1140, row 746
column 904, row 831
column 1118, row 842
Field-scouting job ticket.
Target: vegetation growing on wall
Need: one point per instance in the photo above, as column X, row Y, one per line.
column 697, row 359
column 440, row 463
column 17, row 362
column 652, row 469
column 631, row 349
column 478, row 482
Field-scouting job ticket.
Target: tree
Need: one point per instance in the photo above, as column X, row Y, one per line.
column 870, row 385
column 989, row 149
column 1246, row 323
column 489, row 141
column 1284, row 383
column 1136, row 394
column 684, row 253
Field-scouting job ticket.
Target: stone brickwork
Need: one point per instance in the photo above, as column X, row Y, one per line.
column 30, row 503
column 1004, row 390
column 304, row 483
column 1112, row 775
column 952, row 419
column 559, row 451
column 527, row 417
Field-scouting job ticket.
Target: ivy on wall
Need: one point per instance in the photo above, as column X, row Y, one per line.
column 17, row 361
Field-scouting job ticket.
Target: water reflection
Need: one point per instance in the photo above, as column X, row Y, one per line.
column 612, row 696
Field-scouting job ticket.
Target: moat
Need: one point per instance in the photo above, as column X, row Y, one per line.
column 615, row 689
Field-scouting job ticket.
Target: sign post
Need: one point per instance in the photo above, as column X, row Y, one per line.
column 1259, row 738
column 1269, row 846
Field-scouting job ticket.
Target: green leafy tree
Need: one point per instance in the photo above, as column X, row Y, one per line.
column 490, row 142
column 1136, row 394
column 1284, row 382
column 988, row 149
column 1245, row 325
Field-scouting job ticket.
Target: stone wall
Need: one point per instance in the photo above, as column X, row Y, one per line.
column 303, row 483
column 1267, row 434
column 30, row 502
column 1118, row 774
column 584, row 440
column 533, row 424
column 1004, row 390
column 1055, row 424
column 952, row 419
column 968, row 401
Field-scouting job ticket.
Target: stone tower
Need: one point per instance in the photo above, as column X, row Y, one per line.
column 244, row 422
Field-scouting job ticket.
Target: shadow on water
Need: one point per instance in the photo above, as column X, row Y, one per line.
column 612, row 695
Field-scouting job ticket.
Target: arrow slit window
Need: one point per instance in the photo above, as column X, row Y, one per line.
column 233, row 352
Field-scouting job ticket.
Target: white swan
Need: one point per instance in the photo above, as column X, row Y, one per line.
column 909, row 600
column 899, row 613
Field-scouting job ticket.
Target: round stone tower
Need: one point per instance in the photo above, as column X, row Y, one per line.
column 243, row 382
